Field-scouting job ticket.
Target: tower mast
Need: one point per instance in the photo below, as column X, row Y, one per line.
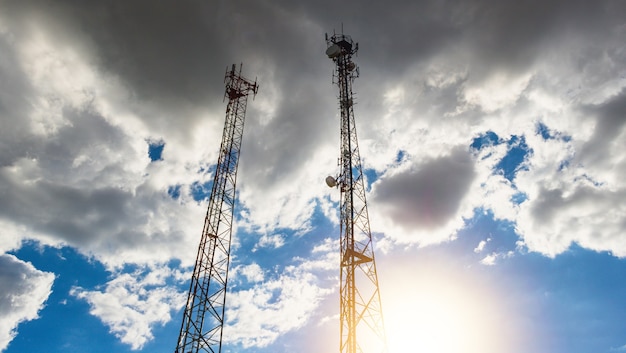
column 360, row 306
column 203, row 319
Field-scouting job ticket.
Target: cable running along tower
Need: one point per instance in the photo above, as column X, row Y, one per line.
column 360, row 313
column 203, row 319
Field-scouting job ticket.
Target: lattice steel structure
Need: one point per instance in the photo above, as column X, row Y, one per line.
column 362, row 326
column 203, row 319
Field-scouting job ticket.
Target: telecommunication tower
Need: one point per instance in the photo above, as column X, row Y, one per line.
column 203, row 319
column 361, row 318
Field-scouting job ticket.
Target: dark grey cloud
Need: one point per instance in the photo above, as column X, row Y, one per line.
column 75, row 188
column 71, row 214
column 504, row 34
column 160, row 49
column 428, row 196
column 171, row 57
column 106, row 222
column 277, row 149
column 509, row 34
column 87, row 135
column 15, row 91
column 611, row 122
column 173, row 49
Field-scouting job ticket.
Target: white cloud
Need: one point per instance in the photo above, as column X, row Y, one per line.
column 574, row 187
column 25, row 290
column 273, row 241
column 258, row 315
column 12, row 235
column 496, row 92
column 253, row 272
column 590, row 216
column 325, row 258
column 289, row 200
column 133, row 303
column 481, row 246
column 491, row 190
column 491, row 259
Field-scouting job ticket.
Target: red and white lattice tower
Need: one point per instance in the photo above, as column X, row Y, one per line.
column 203, row 319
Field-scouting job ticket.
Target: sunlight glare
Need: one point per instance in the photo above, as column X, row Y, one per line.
column 440, row 314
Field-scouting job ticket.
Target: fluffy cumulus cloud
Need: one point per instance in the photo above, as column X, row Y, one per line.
column 265, row 304
column 80, row 174
column 25, row 290
column 574, row 186
column 131, row 304
column 85, row 88
column 554, row 76
column 260, row 314
column 252, row 273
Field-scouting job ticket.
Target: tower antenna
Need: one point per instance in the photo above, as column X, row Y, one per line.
column 203, row 319
column 362, row 326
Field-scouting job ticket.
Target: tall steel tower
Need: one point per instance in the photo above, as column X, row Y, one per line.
column 203, row 319
column 362, row 327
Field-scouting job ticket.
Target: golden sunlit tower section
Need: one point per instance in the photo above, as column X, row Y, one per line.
column 360, row 313
column 203, row 319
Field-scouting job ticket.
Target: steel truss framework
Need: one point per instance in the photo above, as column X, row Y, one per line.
column 203, row 319
column 361, row 318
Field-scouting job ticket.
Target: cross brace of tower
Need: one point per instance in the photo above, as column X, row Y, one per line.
column 203, row 318
column 360, row 313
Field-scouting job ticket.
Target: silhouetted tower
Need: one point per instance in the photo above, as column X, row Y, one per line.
column 362, row 327
column 203, row 319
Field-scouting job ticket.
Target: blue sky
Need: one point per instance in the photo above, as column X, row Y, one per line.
column 491, row 133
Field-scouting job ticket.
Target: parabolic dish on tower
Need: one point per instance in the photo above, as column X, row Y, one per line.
column 331, row 182
column 333, row 51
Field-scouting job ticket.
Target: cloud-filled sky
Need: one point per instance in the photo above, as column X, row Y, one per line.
column 492, row 135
